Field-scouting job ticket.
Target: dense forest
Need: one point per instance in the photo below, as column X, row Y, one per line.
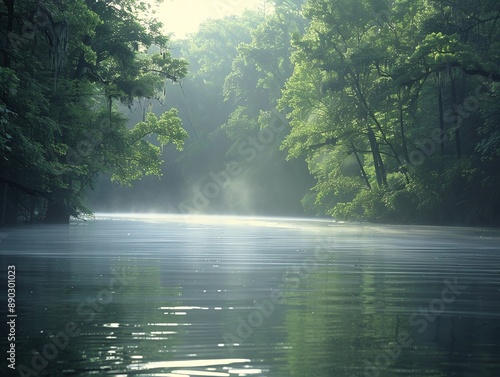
column 65, row 66
column 378, row 110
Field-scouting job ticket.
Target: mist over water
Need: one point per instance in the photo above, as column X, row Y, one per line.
column 181, row 295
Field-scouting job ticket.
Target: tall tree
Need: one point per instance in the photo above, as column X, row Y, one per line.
column 68, row 63
column 255, row 127
column 368, row 75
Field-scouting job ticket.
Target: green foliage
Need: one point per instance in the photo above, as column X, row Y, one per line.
column 238, row 67
column 141, row 157
column 376, row 80
column 66, row 65
column 393, row 105
column 210, row 53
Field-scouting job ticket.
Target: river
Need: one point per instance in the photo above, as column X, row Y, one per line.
column 178, row 296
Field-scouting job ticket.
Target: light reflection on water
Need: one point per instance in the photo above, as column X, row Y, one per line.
column 163, row 295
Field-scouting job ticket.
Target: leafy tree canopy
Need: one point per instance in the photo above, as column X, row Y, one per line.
column 65, row 67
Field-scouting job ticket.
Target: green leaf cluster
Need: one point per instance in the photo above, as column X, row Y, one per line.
column 404, row 92
column 65, row 69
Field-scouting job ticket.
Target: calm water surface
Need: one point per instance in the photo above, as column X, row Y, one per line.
column 181, row 296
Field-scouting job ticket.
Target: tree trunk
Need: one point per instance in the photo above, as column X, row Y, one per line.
column 10, row 28
column 457, row 121
column 381, row 166
column 57, row 213
column 3, row 202
column 377, row 161
column 441, row 114
column 402, row 129
column 361, row 167
column 80, row 67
